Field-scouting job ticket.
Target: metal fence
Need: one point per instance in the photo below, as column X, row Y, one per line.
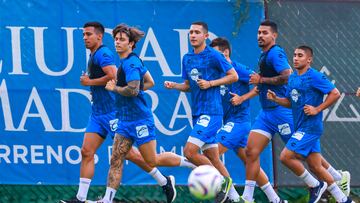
column 331, row 28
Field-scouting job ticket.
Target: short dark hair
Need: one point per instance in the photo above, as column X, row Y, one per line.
column 203, row 24
column 307, row 49
column 222, row 43
column 271, row 24
column 97, row 26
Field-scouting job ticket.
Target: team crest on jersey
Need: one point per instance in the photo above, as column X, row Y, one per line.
column 295, row 95
column 223, row 89
column 114, row 124
column 142, row 131
column 195, row 74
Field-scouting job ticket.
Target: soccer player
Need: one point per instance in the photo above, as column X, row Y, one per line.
column 101, row 69
column 305, row 94
column 272, row 119
column 233, row 135
column 136, row 123
column 204, row 71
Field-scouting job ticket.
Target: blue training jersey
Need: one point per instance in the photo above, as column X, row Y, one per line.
column 307, row 89
column 131, row 108
column 271, row 63
column 208, row 65
column 239, row 113
column 102, row 100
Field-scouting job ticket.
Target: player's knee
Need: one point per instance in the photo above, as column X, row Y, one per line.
column 251, row 154
column 315, row 167
column 283, row 157
column 189, row 154
column 87, row 153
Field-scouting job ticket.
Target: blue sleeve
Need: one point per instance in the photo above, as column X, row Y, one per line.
column 222, row 64
column 133, row 69
column 243, row 72
column 184, row 74
column 104, row 57
column 277, row 57
column 322, row 83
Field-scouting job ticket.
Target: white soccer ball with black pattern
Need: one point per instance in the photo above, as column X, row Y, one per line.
column 205, row 182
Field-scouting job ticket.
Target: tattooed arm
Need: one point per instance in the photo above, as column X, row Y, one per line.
column 121, row 147
column 131, row 90
column 276, row 80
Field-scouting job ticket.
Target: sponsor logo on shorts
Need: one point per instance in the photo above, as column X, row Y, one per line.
column 228, row 127
column 142, row 131
column 204, row 120
column 284, row 129
column 298, row 135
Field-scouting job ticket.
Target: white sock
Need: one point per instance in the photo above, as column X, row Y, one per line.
column 337, row 193
column 186, row 163
column 233, row 194
column 155, row 173
column 270, row 192
column 248, row 193
column 109, row 194
column 84, row 185
column 309, row 179
column 334, row 173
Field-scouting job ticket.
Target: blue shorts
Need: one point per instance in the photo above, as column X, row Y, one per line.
column 304, row 144
column 234, row 135
column 103, row 124
column 277, row 120
column 205, row 129
column 139, row 131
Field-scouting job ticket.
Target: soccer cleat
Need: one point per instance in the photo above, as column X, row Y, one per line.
column 228, row 200
column 224, row 191
column 281, row 201
column 349, row 200
column 245, row 201
column 316, row 192
column 73, row 200
column 169, row 189
column 344, row 183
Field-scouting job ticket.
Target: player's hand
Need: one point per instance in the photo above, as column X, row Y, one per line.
column 84, row 79
column 236, row 99
column 254, row 79
column 203, row 84
column 271, row 95
column 310, row 110
column 110, row 85
column 358, row 92
column 169, row 84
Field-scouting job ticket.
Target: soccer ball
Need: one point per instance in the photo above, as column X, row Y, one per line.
column 205, row 182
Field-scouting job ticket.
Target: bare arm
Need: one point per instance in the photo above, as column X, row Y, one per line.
column 184, row 87
column 230, row 77
column 110, row 74
column 276, row 80
column 237, row 100
column 130, row 90
column 148, row 81
column 281, row 101
column 332, row 97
